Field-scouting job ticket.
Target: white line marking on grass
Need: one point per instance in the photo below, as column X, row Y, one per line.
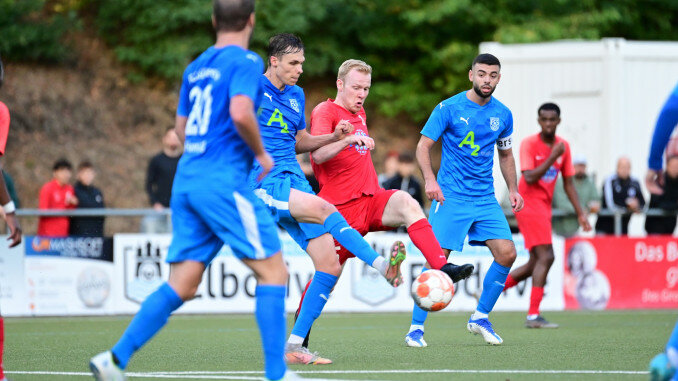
column 197, row 375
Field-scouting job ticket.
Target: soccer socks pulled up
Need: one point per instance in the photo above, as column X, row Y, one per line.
column 270, row 314
column 349, row 238
column 493, row 285
column 418, row 315
column 423, row 238
column 510, row 282
column 152, row 316
column 536, row 296
column 314, row 301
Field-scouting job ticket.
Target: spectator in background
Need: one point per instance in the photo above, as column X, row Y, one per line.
column 621, row 192
column 404, row 178
column 667, row 200
column 88, row 196
column 588, row 199
column 390, row 168
column 159, row 179
column 305, row 164
column 57, row 194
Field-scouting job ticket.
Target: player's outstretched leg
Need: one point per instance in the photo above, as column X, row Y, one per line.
column 664, row 365
column 152, row 316
column 542, row 264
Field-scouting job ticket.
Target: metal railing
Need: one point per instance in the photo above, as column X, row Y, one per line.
column 167, row 213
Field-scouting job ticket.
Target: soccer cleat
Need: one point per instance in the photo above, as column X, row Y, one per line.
column 393, row 275
column 457, row 273
column 484, row 328
column 539, row 322
column 301, row 355
column 415, row 339
column 660, row 368
column 105, row 369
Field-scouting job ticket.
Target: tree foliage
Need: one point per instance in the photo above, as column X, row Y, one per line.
column 420, row 49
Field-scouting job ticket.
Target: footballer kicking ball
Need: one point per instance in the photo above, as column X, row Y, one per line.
column 432, row 290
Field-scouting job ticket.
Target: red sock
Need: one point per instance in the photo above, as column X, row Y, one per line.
column 510, row 282
column 302, row 295
column 2, row 344
column 535, row 300
column 422, row 237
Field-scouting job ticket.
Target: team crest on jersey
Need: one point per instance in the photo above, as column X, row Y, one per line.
column 494, row 123
column 294, row 104
column 360, row 149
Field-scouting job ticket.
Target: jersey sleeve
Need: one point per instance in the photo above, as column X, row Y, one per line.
column 666, row 122
column 4, row 127
column 184, row 106
column 245, row 78
column 323, row 120
column 526, row 156
column 568, row 168
column 508, row 126
column 436, row 123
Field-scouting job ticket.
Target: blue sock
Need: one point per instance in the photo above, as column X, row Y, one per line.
column 673, row 339
column 418, row 315
column 350, row 238
column 314, row 301
column 493, row 285
column 152, row 316
column 270, row 314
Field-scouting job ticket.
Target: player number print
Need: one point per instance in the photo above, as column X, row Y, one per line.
column 199, row 117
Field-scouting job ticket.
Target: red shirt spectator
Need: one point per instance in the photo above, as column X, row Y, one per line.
column 57, row 194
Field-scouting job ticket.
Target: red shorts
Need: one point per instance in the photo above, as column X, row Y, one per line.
column 534, row 223
column 364, row 215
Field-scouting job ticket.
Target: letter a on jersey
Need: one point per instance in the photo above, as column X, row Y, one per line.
column 277, row 116
column 470, row 141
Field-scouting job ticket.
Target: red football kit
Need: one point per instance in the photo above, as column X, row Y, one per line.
column 534, row 220
column 53, row 196
column 349, row 181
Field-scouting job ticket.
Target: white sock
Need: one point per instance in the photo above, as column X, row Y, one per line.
column 295, row 340
column 380, row 264
column 532, row 317
column 478, row 315
column 414, row 327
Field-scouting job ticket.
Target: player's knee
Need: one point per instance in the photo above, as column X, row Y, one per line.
column 325, row 208
column 410, row 207
column 277, row 277
column 547, row 257
column 509, row 257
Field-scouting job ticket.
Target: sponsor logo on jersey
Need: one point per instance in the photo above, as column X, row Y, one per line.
column 360, row 149
column 465, row 120
column 550, row 175
column 494, row 123
column 294, row 104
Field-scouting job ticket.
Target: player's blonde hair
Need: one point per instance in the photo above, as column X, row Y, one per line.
column 351, row 64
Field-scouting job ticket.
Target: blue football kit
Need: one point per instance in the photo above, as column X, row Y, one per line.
column 281, row 116
column 666, row 123
column 469, row 133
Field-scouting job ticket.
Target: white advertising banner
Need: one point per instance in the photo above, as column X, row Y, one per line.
column 13, row 293
column 228, row 285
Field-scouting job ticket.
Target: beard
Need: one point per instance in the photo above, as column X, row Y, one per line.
column 480, row 93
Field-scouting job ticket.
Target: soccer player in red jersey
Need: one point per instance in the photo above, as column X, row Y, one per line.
column 542, row 157
column 7, row 204
column 57, row 193
column 348, row 180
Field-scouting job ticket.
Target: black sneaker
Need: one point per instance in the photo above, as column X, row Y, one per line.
column 457, row 273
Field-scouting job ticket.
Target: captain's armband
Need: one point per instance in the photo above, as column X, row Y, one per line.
column 504, row 143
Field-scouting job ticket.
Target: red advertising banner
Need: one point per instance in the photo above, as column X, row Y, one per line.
column 620, row 272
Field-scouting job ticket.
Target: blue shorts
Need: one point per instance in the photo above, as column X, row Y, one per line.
column 274, row 191
column 481, row 219
column 203, row 221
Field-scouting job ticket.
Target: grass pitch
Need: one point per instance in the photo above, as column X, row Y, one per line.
column 610, row 345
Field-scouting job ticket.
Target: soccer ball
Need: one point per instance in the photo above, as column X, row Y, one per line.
column 432, row 290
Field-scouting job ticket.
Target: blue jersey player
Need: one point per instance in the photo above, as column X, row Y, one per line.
column 470, row 124
column 212, row 203
column 664, row 365
column 310, row 220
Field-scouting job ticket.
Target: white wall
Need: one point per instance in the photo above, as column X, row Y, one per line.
column 609, row 91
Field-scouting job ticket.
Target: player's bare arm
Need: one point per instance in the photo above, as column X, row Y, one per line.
column 571, row 192
column 331, row 150
column 242, row 113
column 431, row 187
column 533, row 175
column 180, row 127
column 10, row 215
column 507, row 164
column 307, row 142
